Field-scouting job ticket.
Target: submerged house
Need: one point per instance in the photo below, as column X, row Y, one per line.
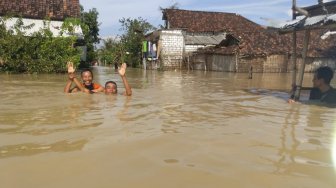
column 184, row 34
column 235, row 37
column 239, row 46
column 35, row 14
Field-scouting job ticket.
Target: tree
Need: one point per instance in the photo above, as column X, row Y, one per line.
column 40, row 52
column 109, row 53
column 90, row 27
column 173, row 6
column 131, row 40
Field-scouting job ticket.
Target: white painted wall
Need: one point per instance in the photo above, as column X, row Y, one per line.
column 37, row 25
column 172, row 42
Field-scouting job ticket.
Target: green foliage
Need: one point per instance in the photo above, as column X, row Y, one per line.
column 69, row 25
column 110, row 52
column 135, row 30
column 128, row 48
column 90, row 28
column 40, row 52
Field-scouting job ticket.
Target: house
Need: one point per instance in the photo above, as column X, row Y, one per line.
column 175, row 44
column 35, row 12
column 180, row 41
column 240, row 45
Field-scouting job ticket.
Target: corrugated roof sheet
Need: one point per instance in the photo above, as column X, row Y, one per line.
column 321, row 9
column 310, row 22
column 203, row 39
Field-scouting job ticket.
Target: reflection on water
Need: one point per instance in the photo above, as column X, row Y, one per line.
column 32, row 149
column 212, row 126
column 334, row 146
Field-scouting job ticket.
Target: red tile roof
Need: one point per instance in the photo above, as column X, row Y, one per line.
column 41, row 9
column 317, row 46
column 255, row 44
column 268, row 43
column 200, row 21
column 254, row 39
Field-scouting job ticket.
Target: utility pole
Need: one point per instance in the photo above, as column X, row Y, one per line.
column 294, row 51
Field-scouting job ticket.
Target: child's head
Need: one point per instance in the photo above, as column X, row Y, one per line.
column 87, row 76
column 110, row 88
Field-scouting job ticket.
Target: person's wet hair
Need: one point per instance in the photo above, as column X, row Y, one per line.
column 326, row 73
column 111, row 82
column 86, row 70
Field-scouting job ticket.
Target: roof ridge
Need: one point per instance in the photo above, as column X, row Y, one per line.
column 203, row 11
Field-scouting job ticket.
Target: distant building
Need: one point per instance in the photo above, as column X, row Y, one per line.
column 229, row 42
column 35, row 12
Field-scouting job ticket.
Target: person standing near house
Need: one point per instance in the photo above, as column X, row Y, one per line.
column 87, row 86
column 322, row 90
column 111, row 86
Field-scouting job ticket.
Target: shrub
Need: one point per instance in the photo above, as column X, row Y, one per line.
column 40, row 52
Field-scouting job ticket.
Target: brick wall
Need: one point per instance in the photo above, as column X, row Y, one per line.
column 172, row 49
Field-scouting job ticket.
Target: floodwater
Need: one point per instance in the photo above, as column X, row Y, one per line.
column 179, row 129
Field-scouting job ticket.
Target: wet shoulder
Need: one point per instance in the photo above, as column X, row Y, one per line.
column 330, row 96
column 315, row 94
column 96, row 86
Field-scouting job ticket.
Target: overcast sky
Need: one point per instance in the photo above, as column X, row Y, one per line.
column 265, row 12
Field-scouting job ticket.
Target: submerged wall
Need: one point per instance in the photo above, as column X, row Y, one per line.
column 171, row 55
column 269, row 64
column 214, row 63
column 313, row 63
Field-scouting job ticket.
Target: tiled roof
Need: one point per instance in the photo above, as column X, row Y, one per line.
column 200, row 21
column 254, row 40
column 268, row 43
column 204, row 39
column 41, row 9
column 317, row 46
column 255, row 44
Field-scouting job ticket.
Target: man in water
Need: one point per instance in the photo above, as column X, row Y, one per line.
column 111, row 86
column 87, row 86
column 322, row 90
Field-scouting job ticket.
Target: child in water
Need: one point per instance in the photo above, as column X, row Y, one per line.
column 111, row 86
column 87, row 86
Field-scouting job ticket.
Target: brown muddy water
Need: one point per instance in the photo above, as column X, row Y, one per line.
column 179, row 129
